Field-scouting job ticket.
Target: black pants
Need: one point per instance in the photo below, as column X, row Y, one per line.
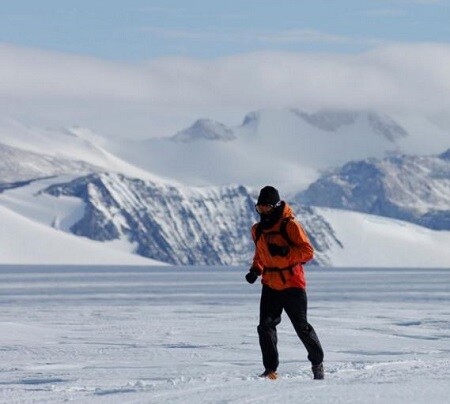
column 294, row 303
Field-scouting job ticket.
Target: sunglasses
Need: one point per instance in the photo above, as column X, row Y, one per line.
column 265, row 208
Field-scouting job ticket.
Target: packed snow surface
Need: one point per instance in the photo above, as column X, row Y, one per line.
column 188, row 335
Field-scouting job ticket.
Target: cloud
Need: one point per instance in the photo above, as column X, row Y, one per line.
column 36, row 73
column 262, row 37
column 301, row 36
column 164, row 95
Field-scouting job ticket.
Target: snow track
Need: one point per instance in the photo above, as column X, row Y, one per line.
column 177, row 335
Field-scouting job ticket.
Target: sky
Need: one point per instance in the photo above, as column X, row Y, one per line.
column 142, row 30
column 149, row 68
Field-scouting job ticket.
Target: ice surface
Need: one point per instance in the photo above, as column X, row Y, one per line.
column 188, row 335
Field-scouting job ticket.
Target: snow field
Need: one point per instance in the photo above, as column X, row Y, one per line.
column 177, row 335
column 25, row 241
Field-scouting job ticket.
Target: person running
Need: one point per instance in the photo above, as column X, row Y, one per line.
column 281, row 249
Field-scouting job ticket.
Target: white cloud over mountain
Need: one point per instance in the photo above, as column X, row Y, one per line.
column 164, row 95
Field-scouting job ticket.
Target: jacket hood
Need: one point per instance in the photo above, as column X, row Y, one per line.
column 287, row 211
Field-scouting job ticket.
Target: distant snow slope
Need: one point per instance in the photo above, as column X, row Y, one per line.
column 75, row 144
column 24, row 241
column 31, row 151
column 374, row 241
column 19, row 164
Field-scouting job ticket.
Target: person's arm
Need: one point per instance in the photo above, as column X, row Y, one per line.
column 257, row 263
column 301, row 251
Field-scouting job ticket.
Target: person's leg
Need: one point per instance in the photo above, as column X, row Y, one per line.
column 295, row 304
column 269, row 317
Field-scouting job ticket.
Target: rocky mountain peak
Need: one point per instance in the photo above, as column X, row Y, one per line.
column 411, row 188
column 331, row 120
column 205, row 129
column 252, row 118
column 445, row 155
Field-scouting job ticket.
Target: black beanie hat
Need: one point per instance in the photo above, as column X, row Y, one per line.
column 268, row 196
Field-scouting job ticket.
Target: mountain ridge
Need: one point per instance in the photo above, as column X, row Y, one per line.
column 185, row 226
column 411, row 188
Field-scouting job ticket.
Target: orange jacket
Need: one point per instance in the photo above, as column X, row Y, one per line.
column 300, row 252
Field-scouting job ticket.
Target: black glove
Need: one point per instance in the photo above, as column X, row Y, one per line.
column 275, row 249
column 252, row 275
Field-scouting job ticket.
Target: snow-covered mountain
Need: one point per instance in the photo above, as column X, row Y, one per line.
column 375, row 241
column 205, row 129
column 288, row 147
column 176, row 225
column 70, row 181
column 207, row 225
column 29, row 152
column 412, row 188
column 333, row 120
column 20, row 165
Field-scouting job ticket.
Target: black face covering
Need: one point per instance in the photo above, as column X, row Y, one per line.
column 269, row 220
